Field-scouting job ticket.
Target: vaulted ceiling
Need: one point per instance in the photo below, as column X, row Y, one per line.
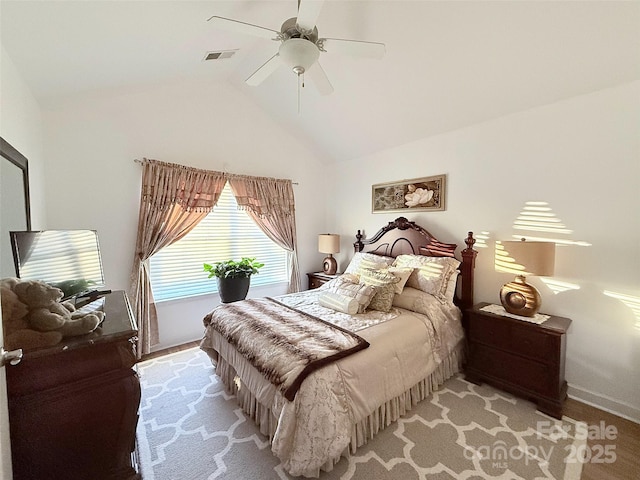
column 448, row 64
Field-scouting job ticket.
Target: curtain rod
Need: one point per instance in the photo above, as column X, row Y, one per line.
column 137, row 160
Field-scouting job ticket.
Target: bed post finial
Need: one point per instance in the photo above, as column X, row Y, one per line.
column 358, row 245
column 470, row 241
column 467, row 267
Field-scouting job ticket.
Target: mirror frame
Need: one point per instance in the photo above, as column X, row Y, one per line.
column 20, row 161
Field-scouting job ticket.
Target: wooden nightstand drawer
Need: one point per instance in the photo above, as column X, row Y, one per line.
column 490, row 331
column 514, row 336
column 317, row 279
column 315, row 282
column 519, row 356
column 510, row 368
column 533, row 344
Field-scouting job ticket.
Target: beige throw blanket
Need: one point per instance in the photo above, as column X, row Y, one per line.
column 282, row 343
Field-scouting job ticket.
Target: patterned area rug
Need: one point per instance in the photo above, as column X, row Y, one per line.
column 190, row 429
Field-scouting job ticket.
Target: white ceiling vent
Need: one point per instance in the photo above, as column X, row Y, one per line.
column 219, row 55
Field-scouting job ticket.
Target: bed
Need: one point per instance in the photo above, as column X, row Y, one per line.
column 362, row 370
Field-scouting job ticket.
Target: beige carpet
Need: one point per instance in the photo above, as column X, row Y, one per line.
column 190, row 429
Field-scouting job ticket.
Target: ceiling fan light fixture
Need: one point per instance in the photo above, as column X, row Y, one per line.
column 298, row 54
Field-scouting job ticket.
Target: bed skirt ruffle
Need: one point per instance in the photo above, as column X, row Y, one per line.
column 362, row 431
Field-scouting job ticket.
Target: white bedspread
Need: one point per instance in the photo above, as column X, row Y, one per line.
column 405, row 348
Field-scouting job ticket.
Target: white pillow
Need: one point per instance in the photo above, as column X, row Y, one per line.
column 418, row 260
column 362, row 293
column 450, row 292
column 417, row 301
column 430, row 275
column 367, row 260
column 403, row 273
column 338, row 302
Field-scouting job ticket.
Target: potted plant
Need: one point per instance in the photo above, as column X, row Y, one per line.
column 233, row 277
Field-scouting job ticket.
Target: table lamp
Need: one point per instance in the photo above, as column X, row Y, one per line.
column 524, row 258
column 329, row 243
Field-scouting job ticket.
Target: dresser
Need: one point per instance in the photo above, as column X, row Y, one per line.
column 73, row 408
column 521, row 357
column 317, row 279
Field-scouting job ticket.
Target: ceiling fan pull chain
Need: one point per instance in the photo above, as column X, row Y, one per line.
column 298, row 94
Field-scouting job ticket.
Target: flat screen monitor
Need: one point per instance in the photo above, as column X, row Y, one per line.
column 67, row 259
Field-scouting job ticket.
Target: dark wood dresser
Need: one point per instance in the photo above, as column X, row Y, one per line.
column 73, row 408
column 521, row 357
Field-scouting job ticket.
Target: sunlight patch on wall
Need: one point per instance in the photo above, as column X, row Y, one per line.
column 630, row 301
column 538, row 217
column 481, row 239
column 559, row 286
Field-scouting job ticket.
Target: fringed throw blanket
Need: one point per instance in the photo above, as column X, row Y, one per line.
column 282, row 343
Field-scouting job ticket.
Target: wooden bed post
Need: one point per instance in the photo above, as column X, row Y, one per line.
column 466, row 269
column 358, row 245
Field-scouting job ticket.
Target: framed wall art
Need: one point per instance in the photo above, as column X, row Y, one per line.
column 419, row 194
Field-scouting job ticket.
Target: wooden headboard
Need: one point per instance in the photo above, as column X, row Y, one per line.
column 404, row 237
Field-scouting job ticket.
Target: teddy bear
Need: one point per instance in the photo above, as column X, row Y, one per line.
column 34, row 317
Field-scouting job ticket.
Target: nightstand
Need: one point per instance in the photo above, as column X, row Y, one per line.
column 521, row 357
column 319, row 278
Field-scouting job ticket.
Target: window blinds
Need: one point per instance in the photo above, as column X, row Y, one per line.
column 226, row 233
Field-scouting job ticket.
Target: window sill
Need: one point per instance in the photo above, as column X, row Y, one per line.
column 204, row 296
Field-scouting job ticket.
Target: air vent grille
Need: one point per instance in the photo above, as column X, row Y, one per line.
column 219, row 55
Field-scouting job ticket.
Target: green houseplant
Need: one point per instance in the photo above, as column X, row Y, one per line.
column 233, row 277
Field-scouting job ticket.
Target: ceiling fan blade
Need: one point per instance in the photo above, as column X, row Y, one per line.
column 243, row 27
column 319, row 79
column 267, row 68
column 308, row 12
column 356, row 48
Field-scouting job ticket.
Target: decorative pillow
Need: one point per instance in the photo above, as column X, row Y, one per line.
column 420, row 260
column 439, row 249
column 403, row 274
column 450, row 292
column 362, row 293
column 431, row 274
column 371, row 260
column 417, row 301
column 385, row 283
column 338, row 302
column 349, row 277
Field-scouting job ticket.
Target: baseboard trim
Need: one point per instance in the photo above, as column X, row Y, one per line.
column 605, row 403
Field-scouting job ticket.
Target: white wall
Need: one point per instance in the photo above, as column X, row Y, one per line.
column 21, row 126
column 582, row 156
column 91, row 142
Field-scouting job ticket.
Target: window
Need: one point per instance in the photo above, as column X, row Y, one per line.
column 227, row 232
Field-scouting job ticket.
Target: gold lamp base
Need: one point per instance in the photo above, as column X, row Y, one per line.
column 329, row 265
column 520, row 298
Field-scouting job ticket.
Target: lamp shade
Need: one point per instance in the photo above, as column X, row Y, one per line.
column 328, row 243
column 526, row 258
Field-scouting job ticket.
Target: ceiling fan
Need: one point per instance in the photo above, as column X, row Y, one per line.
column 300, row 45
